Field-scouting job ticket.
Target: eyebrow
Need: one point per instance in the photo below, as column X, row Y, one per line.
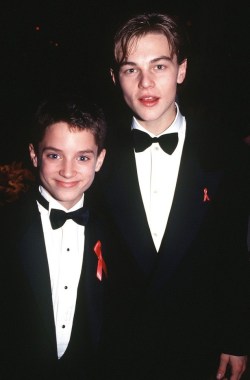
column 59, row 150
column 162, row 57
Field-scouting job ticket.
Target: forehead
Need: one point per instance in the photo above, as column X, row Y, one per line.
column 147, row 45
column 62, row 134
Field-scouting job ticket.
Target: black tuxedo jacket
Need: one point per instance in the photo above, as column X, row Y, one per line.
column 175, row 311
column 29, row 338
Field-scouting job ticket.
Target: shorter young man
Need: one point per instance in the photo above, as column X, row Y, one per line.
column 52, row 251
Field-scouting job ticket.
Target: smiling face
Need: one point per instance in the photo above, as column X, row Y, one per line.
column 149, row 78
column 67, row 160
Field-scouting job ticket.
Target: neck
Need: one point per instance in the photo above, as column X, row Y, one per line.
column 160, row 125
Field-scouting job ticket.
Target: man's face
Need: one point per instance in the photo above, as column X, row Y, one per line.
column 67, row 161
column 148, row 79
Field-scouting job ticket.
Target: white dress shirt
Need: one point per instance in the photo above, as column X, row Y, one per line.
column 64, row 247
column 157, row 175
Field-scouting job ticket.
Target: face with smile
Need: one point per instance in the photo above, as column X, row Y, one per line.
column 67, row 160
column 149, row 78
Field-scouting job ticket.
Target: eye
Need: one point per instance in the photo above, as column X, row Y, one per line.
column 160, row 67
column 83, row 158
column 53, row 156
column 129, row 71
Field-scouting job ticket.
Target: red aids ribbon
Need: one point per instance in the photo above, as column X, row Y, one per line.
column 206, row 197
column 101, row 265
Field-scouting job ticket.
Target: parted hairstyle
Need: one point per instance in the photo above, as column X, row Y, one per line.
column 143, row 24
column 74, row 111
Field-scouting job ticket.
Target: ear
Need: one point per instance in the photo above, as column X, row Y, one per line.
column 100, row 160
column 182, row 71
column 33, row 155
column 113, row 76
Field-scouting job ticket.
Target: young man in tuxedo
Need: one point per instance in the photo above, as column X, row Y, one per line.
column 180, row 270
column 51, row 246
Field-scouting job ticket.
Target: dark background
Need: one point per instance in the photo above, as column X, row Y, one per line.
column 57, row 45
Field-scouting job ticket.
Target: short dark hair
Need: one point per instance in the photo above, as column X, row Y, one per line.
column 143, row 24
column 74, row 111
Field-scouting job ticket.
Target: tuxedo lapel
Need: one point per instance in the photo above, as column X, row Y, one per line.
column 125, row 202
column 90, row 289
column 87, row 324
column 33, row 260
column 187, row 213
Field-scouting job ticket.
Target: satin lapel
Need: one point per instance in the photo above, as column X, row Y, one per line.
column 33, row 258
column 187, row 213
column 88, row 313
column 125, row 203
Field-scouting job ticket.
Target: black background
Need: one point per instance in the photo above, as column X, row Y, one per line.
column 72, row 48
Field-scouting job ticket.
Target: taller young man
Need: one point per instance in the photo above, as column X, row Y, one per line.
column 180, row 268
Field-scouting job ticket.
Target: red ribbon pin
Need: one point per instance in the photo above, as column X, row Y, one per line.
column 206, row 197
column 101, row 265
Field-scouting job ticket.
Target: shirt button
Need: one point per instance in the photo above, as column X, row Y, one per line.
column 65, row 287
column 68, row 249
column 63, row 326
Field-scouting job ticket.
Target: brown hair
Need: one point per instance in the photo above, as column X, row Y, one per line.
column 141, row 25
column 74, row 111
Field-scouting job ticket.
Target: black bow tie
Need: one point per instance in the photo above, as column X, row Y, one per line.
column 59, row 217
column 142, row 141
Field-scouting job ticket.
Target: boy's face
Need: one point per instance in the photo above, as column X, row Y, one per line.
column 67, row 161
column 148, row 79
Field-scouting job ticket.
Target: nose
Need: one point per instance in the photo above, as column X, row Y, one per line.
column 146, row 80
column 67, row 169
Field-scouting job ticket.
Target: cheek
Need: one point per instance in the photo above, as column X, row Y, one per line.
column 87, row 172
column 127, row 88
column 87, row 179
column 129, row 97
column 168, row 87
column 45, row 170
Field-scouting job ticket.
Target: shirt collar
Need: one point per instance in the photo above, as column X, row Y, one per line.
column 53, row 203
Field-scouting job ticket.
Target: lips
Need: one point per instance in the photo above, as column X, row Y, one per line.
column 66, row 185
column 149, row 101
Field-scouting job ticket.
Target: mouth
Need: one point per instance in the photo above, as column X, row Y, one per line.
column 66, row 185
column 149, row 101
